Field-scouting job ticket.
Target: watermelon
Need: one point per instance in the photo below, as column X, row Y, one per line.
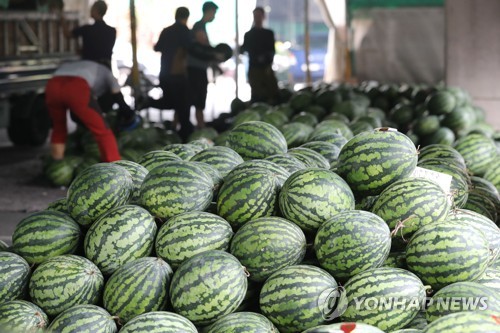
column 203, row 133
column 490, row 279
column 159, row 321
column 137, row 287
column 359, row 126
column 468, row 321
column 371, row 161
column 479, row 152
column 328, row 98
column 334, row 138
column 246, row 195
column 372, row 297
column 301, row 100
column 65, row 281
column 486, row 189
column 83, row 318
column 306, row 118
column 296, row 133
column 21, row 317
column 202, row 143
column 129, row 154
column 154, row 158
column 14, row 271
column 441, row 102
column 187, row 234
column 208, row 286
column 256, row 139
column 248, row 322
column 482, row 205
column 462, row 296
column 287, row 161
column 441, row 152
column 493, row 174
column 58, row 205
column 410, row 203
column 214, row 174
column 121, row 235
column 350, row 109
column 459, row 120
column 60, row 172
column 329, row 126
column 396, row 260
column 295, row 298
column 275, row 118
column 174, row 188
column 418, row 323
column 442, row 135
column 426, row 126
column 138, row 173
column 45, row 234
column 344, row 327
column 267, row 244
column 408, row 330
column 310, row 158
column 447, row 252
column 309, row 197
column 280, row 173
column 402, row 114
column 184, row 151
column 96, row 190
column 351, row 242
column 246, row 116
column 224, row 159
column 326, row 149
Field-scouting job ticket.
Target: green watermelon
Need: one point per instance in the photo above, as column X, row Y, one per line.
column 359, row 126
column 174, row 188
column 248, row 322
column 482, row 205
column 493, row 174
column 60, row 172
column 154, row 158
column 442, row 135
column 334, row 138
column 344, row 327
column 21, row 317
column 328, row 98
column 224, row 159
column 296, row 133
column 350, row 109
column 256, row 139
column 246, row 195
column 309, row 157
column 83, row 318
column 418, row 323
column 159, row 322
column 121, row 235
column 15, row 272
column 371, row 161
column 96, row 190
column 440, row 152
column 287, row 161
column 202, row 143
column 486, row 189
column 469, row 321
column 59, row 205
column 214, row 174
column 306, row 118
column 310, row 197
column 402, row 114
column 301, row 100
column 138, row 173
column 295, row 298
column 490, row 279
column 65, row 281
column 275, row 118
column 246, row 116
column 479, row 152
column 203, row 133
column 459, row 120
column 441, row 102
column 371, row 298
column 184, row 151
column 280, row 173
column 137, row 287
column 351, row 242
column 208, row 286
column 187, row 234
column 267, row 244
column 396, row 260
column 45, row 234
column 447, row 252
column 329, row 126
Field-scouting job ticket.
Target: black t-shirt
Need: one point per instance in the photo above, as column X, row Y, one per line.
column 259, row 43
column 98, row 40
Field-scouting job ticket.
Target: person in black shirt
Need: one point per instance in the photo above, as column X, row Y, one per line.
column 98, row 39
column 259, row 44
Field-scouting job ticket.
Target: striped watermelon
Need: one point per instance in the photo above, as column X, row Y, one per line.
column 65, row 281
column 462, row 296
column 418, row 323
column 174, row 188
column 96, row 190
column 188, row 234
column 468, row 321
column 441, row 102
column 159, row 322
column 14, row 271
column 493, row 174
column 440, row 151
column 184, row 151
column 246, row 195
column 296, row 133
column 310, row 158
column 287, row 161
column 396, row 260
column 267, row 244
column 207, row 133
column 60, row 172
column 295, row 297
column 208, row 286
column 202, row 143
column 326, row 149
column 21, row 317
column 343, row 328
column 371, row 161
column 490, row 279
column 275, row 118
column 481, row 204
column 410, row 203
column 478, row 151
column 224, row 159
column 45, row 234
column 488, row 190
column 370, row 293
column 59, row 205
column 256, row 139
column 280, row 173
column 83, row 318
column 121, row 235
column 447, row 252
column 359, row 126
column 310, row 197
column 307, row 118
column 137, row 287
column 334, row 138
column 86, row 163
column 214, row 174
column 154, row 158
column 351, row 242
column 329, row 126
column 246, row 116
column 248, row 322
column 138, row 173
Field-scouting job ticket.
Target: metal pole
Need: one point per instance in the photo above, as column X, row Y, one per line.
column 307, row 41
column 237, row 49
column 133, row 40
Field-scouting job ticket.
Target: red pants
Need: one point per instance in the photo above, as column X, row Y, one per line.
column 73, row 93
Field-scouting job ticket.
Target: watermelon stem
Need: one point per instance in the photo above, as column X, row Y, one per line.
column 247, row 273
column 400, row 225
column 42, row 323
column 428, row 289
column 117, row 320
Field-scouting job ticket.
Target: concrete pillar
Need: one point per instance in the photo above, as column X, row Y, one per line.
column 473, row 52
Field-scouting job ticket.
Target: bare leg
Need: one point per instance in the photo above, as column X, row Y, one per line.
column 200, row 121
column 57, row 150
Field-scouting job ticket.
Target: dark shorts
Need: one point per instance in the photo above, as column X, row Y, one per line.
column 198, row 83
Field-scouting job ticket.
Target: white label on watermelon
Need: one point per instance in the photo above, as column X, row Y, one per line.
column 439, row 178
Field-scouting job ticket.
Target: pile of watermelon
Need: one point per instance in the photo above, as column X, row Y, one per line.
column 308, row 217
